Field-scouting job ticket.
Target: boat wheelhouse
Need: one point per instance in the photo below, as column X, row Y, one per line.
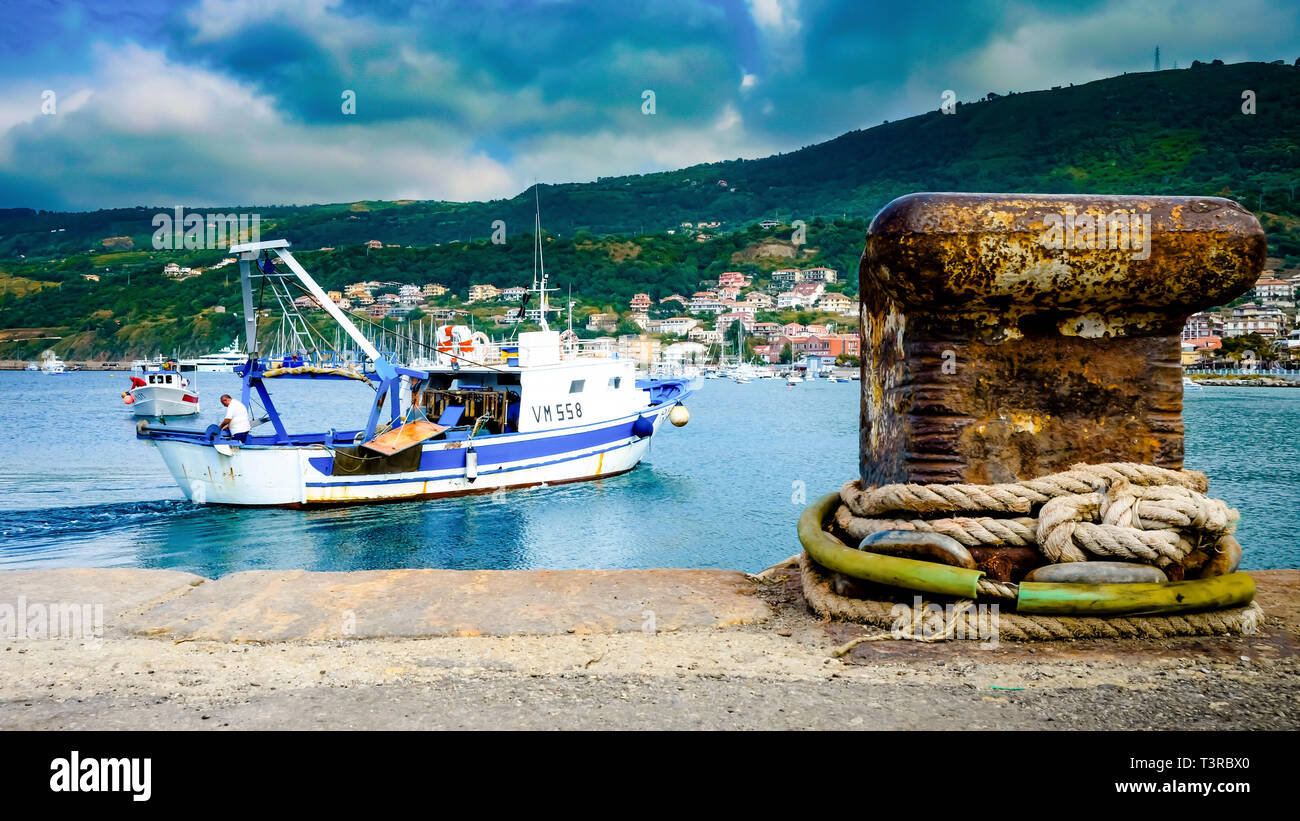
column 481, row 416
column 161, row 392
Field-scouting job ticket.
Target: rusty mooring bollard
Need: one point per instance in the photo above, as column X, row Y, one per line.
column 1008, row 336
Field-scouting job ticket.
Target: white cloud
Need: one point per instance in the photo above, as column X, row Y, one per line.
column 775, row 16
column 158, row 132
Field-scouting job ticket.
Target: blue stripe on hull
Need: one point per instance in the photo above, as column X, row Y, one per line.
column 483, row 471
column 489, row 453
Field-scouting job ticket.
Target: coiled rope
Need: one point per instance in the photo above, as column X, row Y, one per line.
column 1121, row 510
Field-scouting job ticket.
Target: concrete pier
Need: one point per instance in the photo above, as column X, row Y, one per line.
column 588, row 649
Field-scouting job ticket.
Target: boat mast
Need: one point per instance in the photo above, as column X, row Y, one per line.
column 541, row 263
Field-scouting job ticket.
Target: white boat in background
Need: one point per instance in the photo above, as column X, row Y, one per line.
column 161, row 393
column 1188, row 382
column 52, row 365
column 222, row 361
column 793, row 379
column 32, row 366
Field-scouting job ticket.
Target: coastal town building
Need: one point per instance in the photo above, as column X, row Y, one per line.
column 767, row 330
column 378, row 310
column 1203, row 324
column 374, row 243
column 819, row 274
column 706, row 336
column 828, row 346
column 725, row 321
column 1253, row 319
column 761, row 301
column 837, row 303
column 675, row 298
column 482, row 293
column 787, row 276
column 359, row 289
column 515, row 293
column 677, row 325
column 1270, row 290
column 434, row 289
column 605, row 323
column 706, row 302
column 801, row 295
column 640, row 302
column 640, row 348
column 409, row 294
column 1199, row 351
column 176, row 272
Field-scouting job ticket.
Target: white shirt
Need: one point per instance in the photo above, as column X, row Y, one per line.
column 238, row 416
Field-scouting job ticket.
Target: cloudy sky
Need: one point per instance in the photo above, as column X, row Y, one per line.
column 224, row 102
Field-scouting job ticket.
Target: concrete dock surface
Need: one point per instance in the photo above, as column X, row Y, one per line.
column 584, row 649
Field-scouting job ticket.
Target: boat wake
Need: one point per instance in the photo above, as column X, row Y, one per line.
column 56, row 523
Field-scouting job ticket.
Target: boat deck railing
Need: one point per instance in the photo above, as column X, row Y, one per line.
column 498, row 354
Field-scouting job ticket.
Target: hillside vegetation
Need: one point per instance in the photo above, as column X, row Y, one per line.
column 1169, row 132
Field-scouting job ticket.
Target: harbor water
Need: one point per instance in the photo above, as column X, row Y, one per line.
column 78, row 490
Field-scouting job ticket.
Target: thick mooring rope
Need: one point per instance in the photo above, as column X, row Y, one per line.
column 1120, row 511
column 822, row 598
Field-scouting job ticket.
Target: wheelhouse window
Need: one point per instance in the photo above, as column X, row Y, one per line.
column 577, row 385
column 614, row 382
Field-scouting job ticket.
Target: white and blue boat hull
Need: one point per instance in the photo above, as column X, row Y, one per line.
column 302, row 475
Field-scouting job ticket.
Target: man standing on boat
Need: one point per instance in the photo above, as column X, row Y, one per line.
column 236, row 421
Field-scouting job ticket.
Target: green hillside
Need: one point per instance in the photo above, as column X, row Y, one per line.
column 1171, row 132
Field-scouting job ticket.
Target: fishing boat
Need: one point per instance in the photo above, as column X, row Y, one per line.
column 32, row 366
column 793, row 379
column 536, row 409
column 53, row 366
column 222, row 361
column 161, row 392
